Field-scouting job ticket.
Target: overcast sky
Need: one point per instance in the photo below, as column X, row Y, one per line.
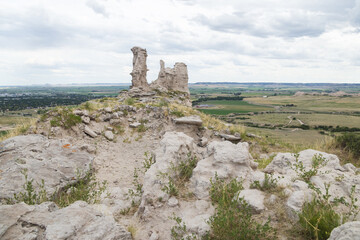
column 89, row 41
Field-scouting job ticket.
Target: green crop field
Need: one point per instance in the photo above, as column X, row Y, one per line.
column 224, row 107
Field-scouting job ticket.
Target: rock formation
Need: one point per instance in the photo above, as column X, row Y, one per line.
column 169, row 79
column 175, row 79
column 139, row 68
column 54, row 161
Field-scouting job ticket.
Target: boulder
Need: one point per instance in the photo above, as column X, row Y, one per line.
column 109, row 135
column 254, row 198
column 54, row 161
column 224, row 158
column 90, row 132
column 347, row 231
column 190, row 120
column 47, row 221
column 85, row 119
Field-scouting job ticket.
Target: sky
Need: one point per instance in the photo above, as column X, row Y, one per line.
column 89, row 41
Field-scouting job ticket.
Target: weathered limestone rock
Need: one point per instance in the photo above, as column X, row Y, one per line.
column 46, row 221
column 139, row 68
column 135, row 125
column 175, row 79
column 190, row 120
column 229, row 137
column 347, row 231
column 85, row 119
column 54, row 161
column 109, row 135
column 90, row 132
column 225, row 159
column 254, row 198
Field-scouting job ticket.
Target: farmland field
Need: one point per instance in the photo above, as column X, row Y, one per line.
column 224, row 107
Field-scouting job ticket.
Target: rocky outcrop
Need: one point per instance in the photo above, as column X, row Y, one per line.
column 347, row 231
column 225, row 159
column 54, row 161
column 190, row 120
column 173, row 79
column 47, row 221
column 169, row 79
column 139, row 68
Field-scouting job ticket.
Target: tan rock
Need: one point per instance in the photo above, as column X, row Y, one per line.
column 139, row 68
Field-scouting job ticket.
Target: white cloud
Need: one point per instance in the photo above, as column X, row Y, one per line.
column 89, row 40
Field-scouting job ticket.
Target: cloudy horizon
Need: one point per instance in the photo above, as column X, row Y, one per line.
column 89, row 41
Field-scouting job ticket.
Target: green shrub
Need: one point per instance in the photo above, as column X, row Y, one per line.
column 85, row 189
column 349, row 142
column 222, row 192
column 65, row 118
column 179, row 174
column 233, row 217
column 129, row 101
column 318, row 161
column 141, row 128
column 318, row 219
column 30, row 196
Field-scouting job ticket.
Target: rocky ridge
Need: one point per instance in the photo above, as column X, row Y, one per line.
column 136, row 142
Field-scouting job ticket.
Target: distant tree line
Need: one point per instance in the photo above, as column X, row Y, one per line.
column 228, row 98
column 27, row 102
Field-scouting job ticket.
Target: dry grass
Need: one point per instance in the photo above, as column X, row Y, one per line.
column 208, row 121
column 20, row 128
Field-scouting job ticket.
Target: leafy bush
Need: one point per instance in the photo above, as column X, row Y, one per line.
column 30, row 196
column 65, row 118
column 85, row 189
column 223, row 193
column 129, row 101
column 349, row 142
column 318, row 161
column 233, row 217
column 318, row 219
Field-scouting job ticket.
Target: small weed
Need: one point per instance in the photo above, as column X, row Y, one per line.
column 177, row 113
column 269, row 184
column 85, row 189
column 142, row 128
column 222, row 192
column 318, row 161
column 148, row 161
column 179, row 174
column 263, row 162
column 30, row 196
column 180, row 231
column 129, row 101
column 132, row 230
column 170, row 188
column 126, row 140
column 137, row 186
